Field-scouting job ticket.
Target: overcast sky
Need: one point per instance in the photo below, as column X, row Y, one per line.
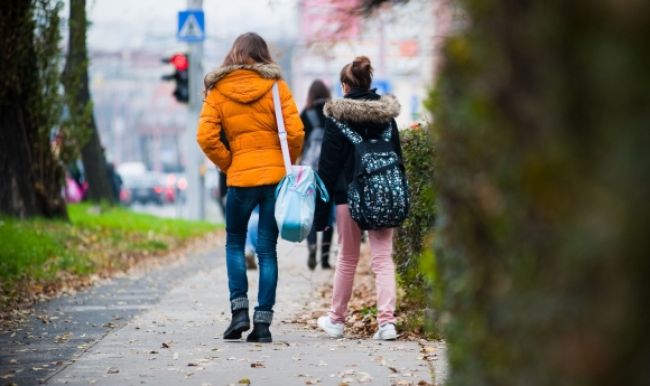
column 142, row 24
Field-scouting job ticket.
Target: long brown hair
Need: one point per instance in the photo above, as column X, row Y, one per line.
column 357, row 74
column 248, row 48
column 317, row 91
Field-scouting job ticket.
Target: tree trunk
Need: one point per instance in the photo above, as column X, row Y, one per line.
column 75, row 80
column 17, row 195
column 31, row 182
column 542, row 169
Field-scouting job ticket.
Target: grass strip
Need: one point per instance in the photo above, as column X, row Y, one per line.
column 38, row 253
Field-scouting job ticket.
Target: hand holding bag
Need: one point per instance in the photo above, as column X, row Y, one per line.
column 295, row 196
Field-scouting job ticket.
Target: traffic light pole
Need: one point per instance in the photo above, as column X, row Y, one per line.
column 195, row 177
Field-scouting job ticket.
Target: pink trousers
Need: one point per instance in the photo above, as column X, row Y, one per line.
column 381, row 249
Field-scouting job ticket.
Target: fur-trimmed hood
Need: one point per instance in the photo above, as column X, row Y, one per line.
column 360, row 110
column 243, row 86
column 267, row 71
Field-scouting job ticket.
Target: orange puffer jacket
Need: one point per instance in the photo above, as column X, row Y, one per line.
column 241, row 104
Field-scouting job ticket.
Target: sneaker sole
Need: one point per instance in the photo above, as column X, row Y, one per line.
column 390, row 337
column 330, row 334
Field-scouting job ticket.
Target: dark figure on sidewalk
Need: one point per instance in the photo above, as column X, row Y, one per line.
column 239, row 102
column 314, row 122
column 115, row 180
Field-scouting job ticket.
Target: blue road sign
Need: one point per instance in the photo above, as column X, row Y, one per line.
column 383, row 86
column 191, row 26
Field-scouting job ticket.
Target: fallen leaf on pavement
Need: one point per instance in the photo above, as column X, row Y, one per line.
column 112, row 370
column 165, row 345
column 365, row 378
column 256, row 365
column 244, row 381
column 7, row 376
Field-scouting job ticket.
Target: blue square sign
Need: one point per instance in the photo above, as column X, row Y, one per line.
column 191, row 26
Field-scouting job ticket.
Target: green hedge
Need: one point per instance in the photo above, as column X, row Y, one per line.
column 411, row 239
column 542, row 114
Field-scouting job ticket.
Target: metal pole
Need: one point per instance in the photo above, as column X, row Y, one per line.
column 195, row 181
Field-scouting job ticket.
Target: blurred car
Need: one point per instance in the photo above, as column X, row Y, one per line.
column 143, row 188
column 173, row 186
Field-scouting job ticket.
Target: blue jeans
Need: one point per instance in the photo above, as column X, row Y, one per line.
column 241, row 202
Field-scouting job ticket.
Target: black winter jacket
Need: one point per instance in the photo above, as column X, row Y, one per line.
column 369, row 115
column 306, row 122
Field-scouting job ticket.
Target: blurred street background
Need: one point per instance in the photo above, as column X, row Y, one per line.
column 142, row 125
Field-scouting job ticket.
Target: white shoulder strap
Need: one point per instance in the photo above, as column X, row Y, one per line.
column 282, row 132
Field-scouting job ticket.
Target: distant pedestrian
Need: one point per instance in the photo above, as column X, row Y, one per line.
column 115, row 180
column 250, row 250
column 362, row 115
column 239, row 102
column 314, row 122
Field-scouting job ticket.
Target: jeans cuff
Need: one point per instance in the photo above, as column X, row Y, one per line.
column 239, row 304
column 263, row 317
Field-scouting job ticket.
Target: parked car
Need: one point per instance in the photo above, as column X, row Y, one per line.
column 142, row 188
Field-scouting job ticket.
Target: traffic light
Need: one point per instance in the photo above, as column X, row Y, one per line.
column 180, row 76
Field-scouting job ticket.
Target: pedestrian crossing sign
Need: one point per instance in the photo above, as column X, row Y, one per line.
column 191, row 26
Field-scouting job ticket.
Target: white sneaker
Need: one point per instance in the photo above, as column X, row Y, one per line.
column 386, row 332
column 334, row 330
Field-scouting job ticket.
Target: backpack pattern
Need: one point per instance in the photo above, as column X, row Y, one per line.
column 378, row 194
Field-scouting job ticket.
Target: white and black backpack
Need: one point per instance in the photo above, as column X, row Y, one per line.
column 378, row 194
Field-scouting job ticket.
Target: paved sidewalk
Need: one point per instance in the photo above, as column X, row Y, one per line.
column 177, row 341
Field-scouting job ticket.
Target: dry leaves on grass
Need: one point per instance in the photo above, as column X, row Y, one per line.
column 18, row 297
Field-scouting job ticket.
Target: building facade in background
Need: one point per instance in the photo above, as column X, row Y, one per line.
column 399, row 40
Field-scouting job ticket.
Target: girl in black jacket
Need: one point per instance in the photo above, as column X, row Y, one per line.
column 314, row 122
column 370, row 116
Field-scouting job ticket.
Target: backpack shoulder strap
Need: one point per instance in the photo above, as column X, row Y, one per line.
column 387, row 135
column 350, row 134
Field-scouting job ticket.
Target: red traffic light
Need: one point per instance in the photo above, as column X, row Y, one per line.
column 180, row 62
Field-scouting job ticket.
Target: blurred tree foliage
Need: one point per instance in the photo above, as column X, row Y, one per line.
column 542, row 114
column 413, row 237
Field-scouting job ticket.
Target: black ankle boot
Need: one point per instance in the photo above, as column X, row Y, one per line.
column 261, row 323
column 311, row 260
column 325, row 259
column 260, row 333
column 240, row 321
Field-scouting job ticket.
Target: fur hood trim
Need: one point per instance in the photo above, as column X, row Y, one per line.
column 360, row 110
column 267, row 71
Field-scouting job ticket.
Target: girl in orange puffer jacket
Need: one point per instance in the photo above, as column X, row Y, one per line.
column 239, row 101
